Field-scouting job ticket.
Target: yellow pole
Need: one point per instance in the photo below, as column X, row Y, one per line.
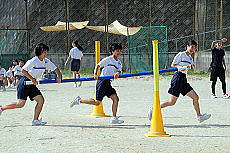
column 97, row 110
column 156, row 127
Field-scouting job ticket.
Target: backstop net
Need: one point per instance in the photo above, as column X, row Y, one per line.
column 140, row 48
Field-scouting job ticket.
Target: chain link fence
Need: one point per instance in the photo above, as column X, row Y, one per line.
column 20, row 23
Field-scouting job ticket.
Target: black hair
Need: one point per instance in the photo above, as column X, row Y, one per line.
column 40, row 48
column 77, row 45
column 114, row 47
column 75, row 42
column 192, row 42
column 0, row 63
column 22, row 60
column 12, row 63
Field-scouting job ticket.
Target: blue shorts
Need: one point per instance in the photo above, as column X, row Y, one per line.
column 179, row 85
column 104, row 88
column 23, row 91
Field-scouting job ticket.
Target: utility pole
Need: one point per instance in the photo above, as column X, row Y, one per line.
column 221, row 19
column 67, row 24
column 216, row 28
column 107, row 24
column 27, row 27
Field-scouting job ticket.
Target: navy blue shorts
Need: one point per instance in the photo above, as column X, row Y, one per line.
column 217, row 72
column 179, row 85
column 23, row 91
column 75, row 64
column 104, row 88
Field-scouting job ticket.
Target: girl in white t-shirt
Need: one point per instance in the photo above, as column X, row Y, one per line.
column 76, row 56
column 32, row 70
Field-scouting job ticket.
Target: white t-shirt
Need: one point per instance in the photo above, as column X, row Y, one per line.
column 75, row 53
column 110, row 66
column 36, row 68
column 18, row 70
column 182, row 59
column 2, row 72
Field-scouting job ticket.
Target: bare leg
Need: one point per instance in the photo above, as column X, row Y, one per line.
column 115, row 100
column 38, row 108
column 192, row 94
column 90, row 101
column 74, row 76
column 14, row 105
column 77, row 75
column 172, row 101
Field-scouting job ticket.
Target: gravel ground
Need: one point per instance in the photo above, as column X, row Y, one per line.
column 69, row 130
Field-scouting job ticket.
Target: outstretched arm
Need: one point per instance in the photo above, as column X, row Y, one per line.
column 67, row 60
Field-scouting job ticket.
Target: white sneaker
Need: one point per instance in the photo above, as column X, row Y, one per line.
column 213, row 96
column 150, row 114
column 115, row 120
column 76, row 101
column 38, row 123
column 225, row 96
column 203, row 117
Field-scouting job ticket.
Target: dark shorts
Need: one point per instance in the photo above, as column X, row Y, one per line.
column 217, row 72
column 179, row 85
column 75, row 64
column 23, row 91
column 104, row 88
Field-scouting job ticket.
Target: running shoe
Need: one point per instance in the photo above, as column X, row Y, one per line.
column 76, row 101
column 203, row 117
column 38, row 123
column 115, row 120
column 213, row 96
column 225, row 96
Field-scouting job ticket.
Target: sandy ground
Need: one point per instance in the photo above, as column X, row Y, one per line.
column 69, row 130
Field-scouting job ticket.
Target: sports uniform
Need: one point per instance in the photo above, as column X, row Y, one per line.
column 35, row 68
column 76, row 56
column 109, row 66
column 179, row 84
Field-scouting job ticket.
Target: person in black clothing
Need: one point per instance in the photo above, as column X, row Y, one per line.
column 218, row 67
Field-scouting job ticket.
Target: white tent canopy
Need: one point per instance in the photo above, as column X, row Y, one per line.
column 61, row 26
column 113, row 28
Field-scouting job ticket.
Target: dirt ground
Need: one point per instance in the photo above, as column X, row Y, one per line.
column 69, row 130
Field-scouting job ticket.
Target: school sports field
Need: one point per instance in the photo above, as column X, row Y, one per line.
column 69, row 130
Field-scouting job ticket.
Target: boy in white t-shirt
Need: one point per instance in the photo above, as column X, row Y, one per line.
column 33, row 70
column 110, row 66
